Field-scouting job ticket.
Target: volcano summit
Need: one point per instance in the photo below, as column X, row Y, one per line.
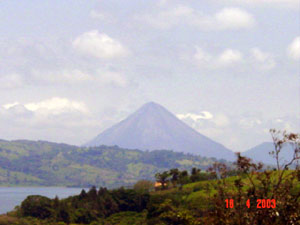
column 152, row 127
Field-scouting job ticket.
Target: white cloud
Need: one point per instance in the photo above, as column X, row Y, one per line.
column 226, row 58
column 53, row 106
column 204, row 115
column 54, row 119
column 234, row 18
column 230, row 57
column 99, row 45
column 294, row 49
column 225, row 19
column 11, row 81
column 218, row 120
column 265, row 59
column 10, row 105
column 256, row 58
column 57, row 105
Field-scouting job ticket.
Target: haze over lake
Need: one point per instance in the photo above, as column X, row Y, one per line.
column 13, row 196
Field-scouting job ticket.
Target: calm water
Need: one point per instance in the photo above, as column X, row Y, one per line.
column 13, row 196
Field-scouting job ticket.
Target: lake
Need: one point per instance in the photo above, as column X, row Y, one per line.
column 13, row 196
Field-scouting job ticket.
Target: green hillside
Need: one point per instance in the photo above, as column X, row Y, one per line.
column 195, row 203
column 28, row 163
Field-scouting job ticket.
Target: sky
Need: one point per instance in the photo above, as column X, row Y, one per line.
column 69, row 69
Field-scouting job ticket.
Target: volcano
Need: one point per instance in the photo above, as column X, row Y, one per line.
column 152, row 127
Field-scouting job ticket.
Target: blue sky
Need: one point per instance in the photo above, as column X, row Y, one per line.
column 70, row 69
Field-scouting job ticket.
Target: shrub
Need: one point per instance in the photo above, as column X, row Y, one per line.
column 37, row 206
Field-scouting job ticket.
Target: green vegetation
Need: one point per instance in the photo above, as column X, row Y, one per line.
column 220, row 195
column 40, row 163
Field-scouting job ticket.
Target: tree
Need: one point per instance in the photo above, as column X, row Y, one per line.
column 172, row 215
column 174, row 173
column 183, row 178
column 83, row 194
column 63, row 213
column 92, row 193
column 162, row 178
column 143, row 186
column 195, row 174
column 37, row 206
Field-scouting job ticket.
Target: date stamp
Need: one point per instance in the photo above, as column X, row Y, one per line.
column 260, row 203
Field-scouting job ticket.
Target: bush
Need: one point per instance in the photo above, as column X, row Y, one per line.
column 37, row 206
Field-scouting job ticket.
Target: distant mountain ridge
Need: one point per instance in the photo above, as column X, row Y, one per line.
column 154, row 127
column 260, row 153
column 42, row 163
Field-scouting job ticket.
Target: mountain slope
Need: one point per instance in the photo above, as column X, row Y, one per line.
column 260, row 153
column 153, row 127
column 27, row 163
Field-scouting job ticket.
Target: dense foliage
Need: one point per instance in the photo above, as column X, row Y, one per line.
column 27, row 163
column 86, row 207
column 221, row 195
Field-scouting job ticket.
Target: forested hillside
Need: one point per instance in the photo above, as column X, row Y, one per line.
column 29, row 163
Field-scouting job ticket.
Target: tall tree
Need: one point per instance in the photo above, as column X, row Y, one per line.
column 195, row 174
column 174, row 173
